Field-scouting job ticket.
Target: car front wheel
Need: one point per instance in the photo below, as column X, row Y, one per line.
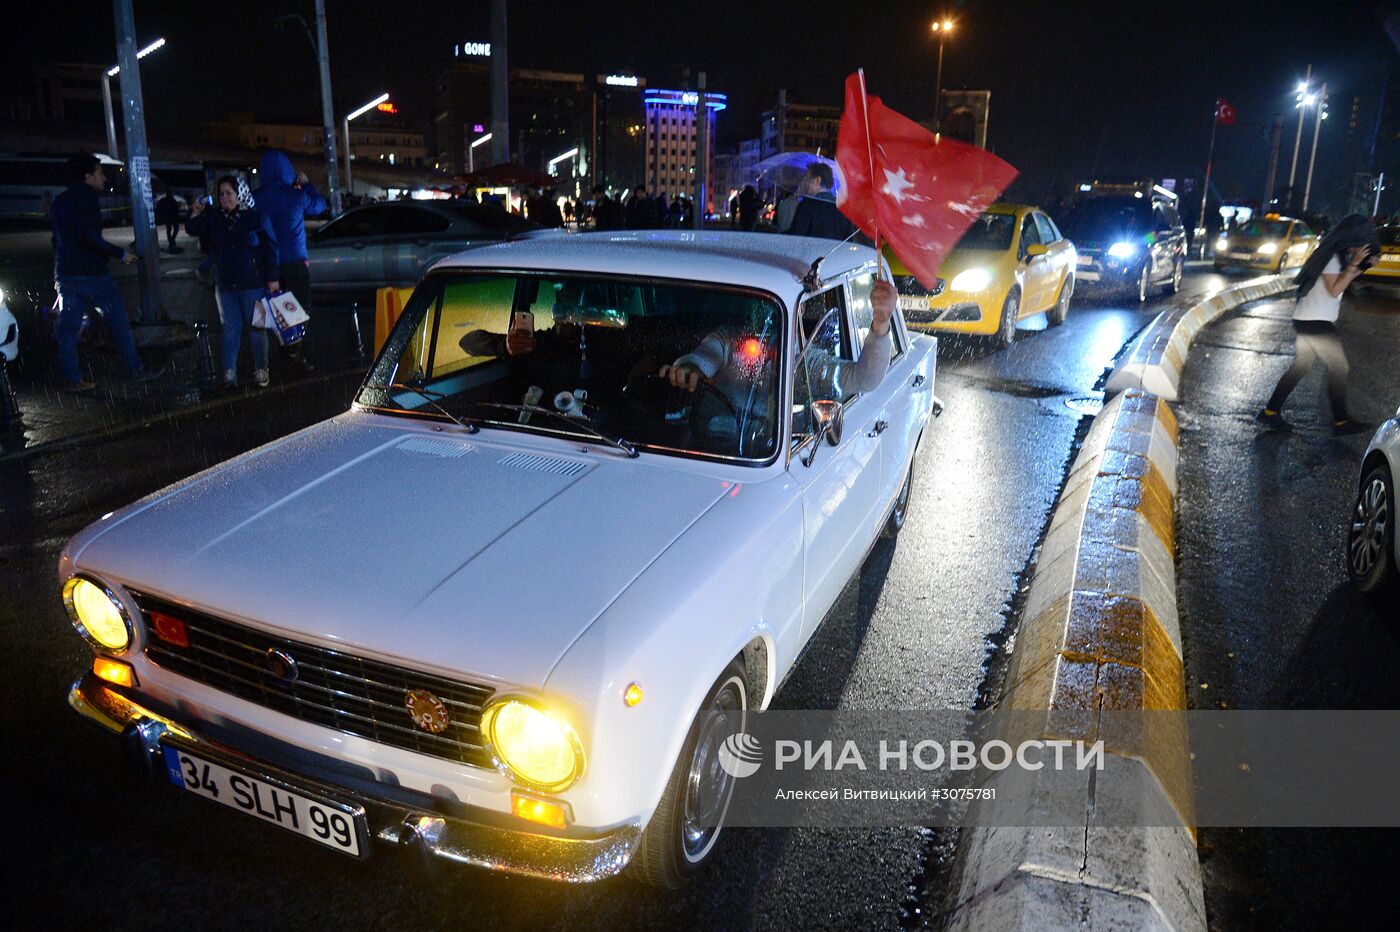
column 683, row 831
column 1371, row 541
column 1144, row 283
column 1178, row 271
column 1010, row 311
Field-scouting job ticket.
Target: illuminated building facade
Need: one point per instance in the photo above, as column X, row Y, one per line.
column 671, row 156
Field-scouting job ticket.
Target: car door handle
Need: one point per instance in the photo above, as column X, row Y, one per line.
column 918, row 380
column 878, row 429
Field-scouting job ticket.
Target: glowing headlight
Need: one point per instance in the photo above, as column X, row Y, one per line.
column 1124, row 250
column 1268, row 249
column 2, row 295
column 532, row 746
column 971, row 280
column 1222, row 244
column 96, row 614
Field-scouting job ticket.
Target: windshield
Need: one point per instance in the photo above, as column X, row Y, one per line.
column 990, row 231
column 1107, row 217
column 495, row 349
column 1265, row 229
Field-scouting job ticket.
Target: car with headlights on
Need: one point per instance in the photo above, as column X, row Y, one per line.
column 1373, row 546
column 504, row 609
column 392, row 244
column 1129, row 239
column 1012, row 263
column 1272, row 244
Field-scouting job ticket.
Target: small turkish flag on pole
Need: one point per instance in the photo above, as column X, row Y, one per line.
column 1224, row 112
column 920, row 190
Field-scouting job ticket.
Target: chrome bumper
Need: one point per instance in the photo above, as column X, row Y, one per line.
column 429, row 833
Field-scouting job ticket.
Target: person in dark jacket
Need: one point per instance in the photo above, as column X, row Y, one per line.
column 246, row 266
column 80, row 270
column 288, row 197
column 748, row 207
column 817, row 213
column 607, row 213
column 168, row 216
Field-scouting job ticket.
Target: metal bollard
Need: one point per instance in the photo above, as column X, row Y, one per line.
column 206, row 358
column 9, row 405
column 355, row 335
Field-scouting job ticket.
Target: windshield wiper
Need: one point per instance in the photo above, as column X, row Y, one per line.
column 431, row 398
column 626, row 446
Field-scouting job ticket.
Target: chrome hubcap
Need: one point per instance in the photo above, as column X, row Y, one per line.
column 1369, row 524
column 708, row 785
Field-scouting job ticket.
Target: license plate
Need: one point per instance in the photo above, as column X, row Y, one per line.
column 1088, row 276
column 334, row 825
column 1086, row 260
column 1241, row 256
column 913, row 302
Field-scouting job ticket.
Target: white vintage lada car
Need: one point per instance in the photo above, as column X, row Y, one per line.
column 593, row 498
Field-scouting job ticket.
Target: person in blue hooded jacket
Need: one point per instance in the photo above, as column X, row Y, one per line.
column 288, row 198
column 245, row 254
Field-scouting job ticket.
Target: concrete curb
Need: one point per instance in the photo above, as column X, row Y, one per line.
column 1154, row 361
column 1100, row 631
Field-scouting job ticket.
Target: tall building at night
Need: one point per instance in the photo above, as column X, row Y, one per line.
column 790, row 127
column 621, row 131
column 671, row 156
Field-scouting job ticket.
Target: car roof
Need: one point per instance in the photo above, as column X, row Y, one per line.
column 1001, row 207
column 767, row 261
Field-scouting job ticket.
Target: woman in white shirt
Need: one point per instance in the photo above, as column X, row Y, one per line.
column 1315, row 320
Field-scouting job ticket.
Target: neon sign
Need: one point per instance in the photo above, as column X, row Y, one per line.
column 474, row 49
column 621, row 80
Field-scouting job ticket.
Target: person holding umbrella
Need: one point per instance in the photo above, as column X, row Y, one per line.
column 1344, row 253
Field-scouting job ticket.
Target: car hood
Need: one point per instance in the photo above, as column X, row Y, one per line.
column 477, row 556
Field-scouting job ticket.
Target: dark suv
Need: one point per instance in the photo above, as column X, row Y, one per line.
column 1128, row 240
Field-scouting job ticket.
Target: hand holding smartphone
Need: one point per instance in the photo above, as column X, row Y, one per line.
column 521, row 338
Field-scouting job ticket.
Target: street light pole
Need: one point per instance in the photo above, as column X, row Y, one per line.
column 1298, row 139
column 349, row 182
column 1317, row 127
column 471, row 152
column 940, row 29
column 107, row 77
column 327, row 112
column 138, row 163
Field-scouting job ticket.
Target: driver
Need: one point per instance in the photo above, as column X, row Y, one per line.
column 716, row 357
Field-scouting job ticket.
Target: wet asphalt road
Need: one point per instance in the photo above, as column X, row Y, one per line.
column 921, row 627
column 1268, row 618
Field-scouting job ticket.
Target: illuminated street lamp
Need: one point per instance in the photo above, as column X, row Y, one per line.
column 107, row 77
column 1303, row 98
column 471, row 152
column 560, row 158
column 940, row 28
column 382, row 98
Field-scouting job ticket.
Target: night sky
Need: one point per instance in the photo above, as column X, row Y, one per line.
column 1124, row 88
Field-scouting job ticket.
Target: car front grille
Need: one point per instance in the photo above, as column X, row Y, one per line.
column 355, row 695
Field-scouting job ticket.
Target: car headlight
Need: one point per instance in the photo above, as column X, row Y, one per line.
column 971, row 280
column 531, row 746
column 1222, row 244
column 97, row 614
column 1268, row 249
column 1123, row 250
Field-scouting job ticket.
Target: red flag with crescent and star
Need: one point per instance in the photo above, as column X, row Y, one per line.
column 1224, row 112
column 918, row 190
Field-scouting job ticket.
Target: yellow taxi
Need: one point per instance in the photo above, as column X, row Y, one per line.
column 1274, row 244
column 1387, row 267
column 1013, row 262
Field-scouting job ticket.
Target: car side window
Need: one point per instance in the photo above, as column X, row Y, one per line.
column 818, row 371
column 864, row 314
column 406, row 221
column 1030, row 233
column 1048, row 233
column 1301, row 230
column 357, row 224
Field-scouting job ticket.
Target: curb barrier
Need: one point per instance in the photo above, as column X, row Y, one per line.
column 1154, row 361
column 1100, row 632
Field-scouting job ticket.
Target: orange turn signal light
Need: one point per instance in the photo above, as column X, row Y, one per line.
column 114, row 671
column 543, row 811
column 632, row 695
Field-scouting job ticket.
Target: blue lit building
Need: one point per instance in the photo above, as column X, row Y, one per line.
column 671, row 157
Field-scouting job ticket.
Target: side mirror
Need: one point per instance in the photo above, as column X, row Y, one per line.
column 830, row 419
column 1036, row 249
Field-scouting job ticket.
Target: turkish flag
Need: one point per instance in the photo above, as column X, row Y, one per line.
column 919, row 191
column 1224, row 112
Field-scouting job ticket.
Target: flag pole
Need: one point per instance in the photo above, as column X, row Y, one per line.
column 1205, row 187
column 870, row 158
